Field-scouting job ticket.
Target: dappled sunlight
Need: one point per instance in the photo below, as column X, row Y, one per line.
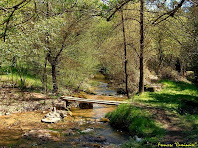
column 98, row 73
column 171, row 96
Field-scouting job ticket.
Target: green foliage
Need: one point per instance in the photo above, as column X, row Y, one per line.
column 22, row 78
column 91, row 40
column 132, row 143
column 139, row 121
column 192, row 121
column 40, row 36
column 135, row 120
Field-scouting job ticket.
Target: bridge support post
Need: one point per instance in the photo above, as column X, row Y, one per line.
column 66, row 103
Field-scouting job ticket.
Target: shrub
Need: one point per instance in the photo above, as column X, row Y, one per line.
column 135, row 120
column 169, row 74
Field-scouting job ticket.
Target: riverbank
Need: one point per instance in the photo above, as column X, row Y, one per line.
column 21, row 113
column 167, row 116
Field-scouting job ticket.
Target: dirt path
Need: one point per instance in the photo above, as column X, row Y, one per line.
column 171, row 123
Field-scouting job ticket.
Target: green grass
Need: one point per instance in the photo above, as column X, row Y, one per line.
column 29, row 81
column 172, row 99
column 94, row 83
column 137, row 121
column 171, row 96
column 7, row 77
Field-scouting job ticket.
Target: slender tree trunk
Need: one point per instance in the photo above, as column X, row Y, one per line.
column 14, row 61
column 54, row 81
column 125, row 56
column 11, row 70
column 160, row 52
column 178, row 66
column 184, row 70
column 141, row 80
column 46, row 57
column 45, row 76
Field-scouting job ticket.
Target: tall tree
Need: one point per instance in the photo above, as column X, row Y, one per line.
column 160, row 18
column 125, row 55
column 141, row 81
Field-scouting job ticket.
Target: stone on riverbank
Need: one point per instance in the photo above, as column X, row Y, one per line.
column 104, row 120
column 42, row 134
column 86, row 105
column 92, row 138
column 60, row 105
column 54, row 116
column 87, row 130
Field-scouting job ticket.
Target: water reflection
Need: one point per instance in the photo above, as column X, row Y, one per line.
column 99, row 110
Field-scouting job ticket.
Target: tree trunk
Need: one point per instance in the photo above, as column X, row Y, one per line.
column 178, row 66
column 141, row 80
column 14, row 61
column 160, row 54
column 45, row 76
column 184, row 70
column 125, row 57
column 54, row 81
column 46, row 57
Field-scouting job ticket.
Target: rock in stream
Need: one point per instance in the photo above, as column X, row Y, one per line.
column 54, row 116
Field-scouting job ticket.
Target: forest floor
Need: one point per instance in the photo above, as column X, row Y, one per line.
column 22, row 111
column 175, row 107
column 170, row 121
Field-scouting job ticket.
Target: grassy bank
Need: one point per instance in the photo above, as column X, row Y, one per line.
column 171, row 97
column 10, row 76
column 138, row 122
column 27, row 77
column 171, row 112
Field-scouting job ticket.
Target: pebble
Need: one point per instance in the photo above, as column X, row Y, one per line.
column 88, row 130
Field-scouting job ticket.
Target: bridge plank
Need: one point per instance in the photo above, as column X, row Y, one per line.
column 75, row 99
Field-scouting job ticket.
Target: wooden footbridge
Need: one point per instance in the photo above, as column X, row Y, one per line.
column 83, row 100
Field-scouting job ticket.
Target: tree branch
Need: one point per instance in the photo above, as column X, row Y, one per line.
column 7, row 23
column 15, row 7
column 117, row 8
column 169, row 13
column 131, row 45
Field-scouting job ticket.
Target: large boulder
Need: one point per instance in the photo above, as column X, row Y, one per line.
column 86, row 105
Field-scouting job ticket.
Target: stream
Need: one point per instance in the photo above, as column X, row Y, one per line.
column 102, row 92
column 83, row 129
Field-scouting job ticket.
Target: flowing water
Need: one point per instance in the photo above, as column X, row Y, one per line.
column 102, row 92
column 83, row 129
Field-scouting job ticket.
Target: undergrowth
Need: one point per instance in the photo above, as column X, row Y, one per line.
column 137, row 122
column 10, row 76
column 177, row 98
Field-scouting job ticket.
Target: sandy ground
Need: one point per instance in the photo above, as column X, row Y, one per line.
column 21, row 112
